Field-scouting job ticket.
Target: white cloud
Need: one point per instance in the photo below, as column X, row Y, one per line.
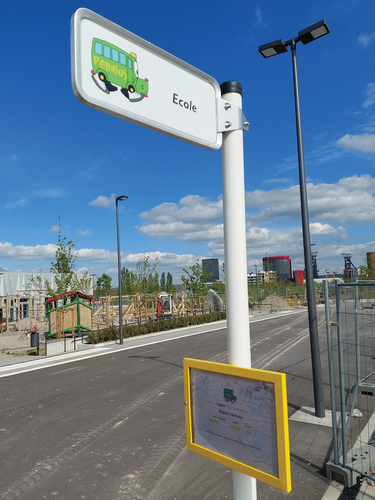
column 191, row 208
column 103, row 201
column 365, row 39
column 86, row 232
column 23, row 252
column 258, row 15
column 350, row 200
column 362, row 142
column 370, row 95
column 55, row 229
column 318, row 229
column 273, row 219
column 20, row 203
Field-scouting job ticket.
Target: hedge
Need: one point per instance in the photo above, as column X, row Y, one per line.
column 113, row 333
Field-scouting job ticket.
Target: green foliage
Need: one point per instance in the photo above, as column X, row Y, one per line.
column 143, row 280
column 162, row 282
column 196, row 279
column 64, row 269
column 108, row 334
column 218, row 287
column 170, row 288
column 366, row 271
column 103, row 284
column 127, row 281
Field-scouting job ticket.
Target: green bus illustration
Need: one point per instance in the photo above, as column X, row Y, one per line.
column 113, row 66
column 229, row 396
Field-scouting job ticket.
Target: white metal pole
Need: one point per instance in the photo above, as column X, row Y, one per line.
column 244, row 487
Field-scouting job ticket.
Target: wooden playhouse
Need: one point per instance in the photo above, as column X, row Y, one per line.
column 69, row 314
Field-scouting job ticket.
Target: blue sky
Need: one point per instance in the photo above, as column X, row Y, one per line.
column 61, row 158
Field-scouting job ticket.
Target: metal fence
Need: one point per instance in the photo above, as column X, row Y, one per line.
column 350, row 320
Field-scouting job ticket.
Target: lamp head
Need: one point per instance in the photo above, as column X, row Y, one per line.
column 313, row 32
column 273, row 48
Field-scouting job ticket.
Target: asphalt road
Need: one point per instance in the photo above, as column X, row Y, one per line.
column 112, row 427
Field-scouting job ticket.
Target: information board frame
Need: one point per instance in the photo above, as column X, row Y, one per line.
column 282, row 480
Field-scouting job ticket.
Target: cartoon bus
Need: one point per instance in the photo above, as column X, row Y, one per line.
column 229, row 395
column 113, row 66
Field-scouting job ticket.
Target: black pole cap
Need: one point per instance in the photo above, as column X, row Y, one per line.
column 230, row 87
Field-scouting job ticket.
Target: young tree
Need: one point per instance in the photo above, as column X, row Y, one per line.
column 103, row 284
column 64, row 269
column 142, row 280
column 196, row 279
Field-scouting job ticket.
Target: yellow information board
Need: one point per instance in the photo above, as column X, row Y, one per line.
column 239, row 417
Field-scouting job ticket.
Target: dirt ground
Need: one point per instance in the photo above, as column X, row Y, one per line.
column 18, row 342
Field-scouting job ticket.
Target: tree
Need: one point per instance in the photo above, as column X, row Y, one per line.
column 142, row 280
column 367, row 271
column 156, row 283
column 127, row 281
column 170, row 288
column 64, row 269
column 103, row 284
column 162, row 282
column 196, row 279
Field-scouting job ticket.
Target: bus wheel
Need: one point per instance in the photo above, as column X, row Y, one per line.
column 102, row 77
column 131, row 89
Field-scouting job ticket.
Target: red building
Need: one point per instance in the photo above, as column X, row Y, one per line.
column 298, row 277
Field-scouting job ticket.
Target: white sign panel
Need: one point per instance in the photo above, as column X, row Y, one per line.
column 237, row 418
column 118, row 72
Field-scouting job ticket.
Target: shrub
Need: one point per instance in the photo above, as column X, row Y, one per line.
column 113, row 333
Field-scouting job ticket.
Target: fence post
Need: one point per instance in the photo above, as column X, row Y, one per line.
column 341, row 373
column 331, row 373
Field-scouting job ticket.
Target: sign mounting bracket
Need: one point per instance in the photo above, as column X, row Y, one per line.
column 231, row 117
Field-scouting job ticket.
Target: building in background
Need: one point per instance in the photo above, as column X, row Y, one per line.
column 281, row 265
column 298, row 277
column 211, row 266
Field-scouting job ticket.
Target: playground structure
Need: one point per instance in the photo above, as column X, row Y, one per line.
column 22, row 310
column 29, row 308
column 141, row 308
column 69, row 314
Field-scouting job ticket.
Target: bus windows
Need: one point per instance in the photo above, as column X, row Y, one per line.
column 107, row 52
column 98, row 48
column 115, row 55
column 122, row 59
column 130, row 63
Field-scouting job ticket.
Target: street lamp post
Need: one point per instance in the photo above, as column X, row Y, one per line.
column 119, row 198
column 305, row 36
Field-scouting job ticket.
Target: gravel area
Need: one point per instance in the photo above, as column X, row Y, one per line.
column 18, row 342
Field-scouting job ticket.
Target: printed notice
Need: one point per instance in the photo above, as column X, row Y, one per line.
column 235, row 417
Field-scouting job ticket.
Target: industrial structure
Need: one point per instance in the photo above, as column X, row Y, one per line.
column 350, row 271
column 314, row 265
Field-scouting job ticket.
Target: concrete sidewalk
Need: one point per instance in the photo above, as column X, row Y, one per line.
column 310, row 437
